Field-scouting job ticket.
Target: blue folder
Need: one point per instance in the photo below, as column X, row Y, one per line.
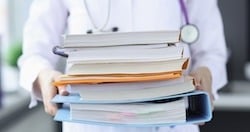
column 199, row 109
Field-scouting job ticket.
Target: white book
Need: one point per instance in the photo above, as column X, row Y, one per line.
column 128, row 67
column 121, row 38
column 133, row 91
column 124, row 54
column 69, row 50
column 167, row 111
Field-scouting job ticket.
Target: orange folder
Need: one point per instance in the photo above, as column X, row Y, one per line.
column 115, row 78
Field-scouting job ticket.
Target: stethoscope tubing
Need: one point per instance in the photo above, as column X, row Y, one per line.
column 184, row 11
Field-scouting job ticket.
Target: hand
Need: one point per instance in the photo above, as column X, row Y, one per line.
column 48, row 91
column 203, row 81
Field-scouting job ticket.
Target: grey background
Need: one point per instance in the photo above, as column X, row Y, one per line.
column 235, row 17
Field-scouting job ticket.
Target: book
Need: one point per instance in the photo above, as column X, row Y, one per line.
column 120, row 38
column 124, row 54
column 140, row 113
column 115, row 78
column 128, row 79
column 127, row 67
column 117, row 47
column 187, row 108
column 132, row 91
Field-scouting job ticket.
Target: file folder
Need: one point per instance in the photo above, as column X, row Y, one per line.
column 198, row 110
column 95, row 79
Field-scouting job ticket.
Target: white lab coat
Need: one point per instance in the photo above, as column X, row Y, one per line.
column 49, row 19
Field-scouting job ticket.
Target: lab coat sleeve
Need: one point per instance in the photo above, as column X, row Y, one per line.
column 46, row 23
column 210, row 49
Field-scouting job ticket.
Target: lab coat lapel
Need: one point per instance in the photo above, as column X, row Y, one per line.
column 128, row 15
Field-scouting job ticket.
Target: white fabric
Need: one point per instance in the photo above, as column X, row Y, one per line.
column 72, row 127
column 49, row 19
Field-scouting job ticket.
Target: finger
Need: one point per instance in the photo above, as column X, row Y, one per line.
column 63, row 90
column 197, row 82
column 197, row 79
column 201, row 124
column 50, row 108
column 212, row 97
column 199, row 88
column 206, row 87
column 49, row 93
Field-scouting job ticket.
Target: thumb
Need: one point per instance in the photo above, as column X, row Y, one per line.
column 63, row 90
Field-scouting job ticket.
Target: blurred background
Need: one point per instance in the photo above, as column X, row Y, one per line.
column 232, row 110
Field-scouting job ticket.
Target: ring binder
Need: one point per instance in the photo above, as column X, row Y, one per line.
column 59, row 51
column 198, row 110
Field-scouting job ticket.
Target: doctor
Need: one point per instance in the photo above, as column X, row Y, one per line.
column 49, row 19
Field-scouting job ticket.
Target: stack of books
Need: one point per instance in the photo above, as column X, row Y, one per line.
column 133, row 79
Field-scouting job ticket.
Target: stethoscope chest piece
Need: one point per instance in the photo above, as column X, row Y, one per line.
column 189, row 33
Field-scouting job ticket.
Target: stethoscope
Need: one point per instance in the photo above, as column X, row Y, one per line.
column 189, row 32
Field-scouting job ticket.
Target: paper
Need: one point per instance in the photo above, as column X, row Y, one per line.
column 65, row 79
